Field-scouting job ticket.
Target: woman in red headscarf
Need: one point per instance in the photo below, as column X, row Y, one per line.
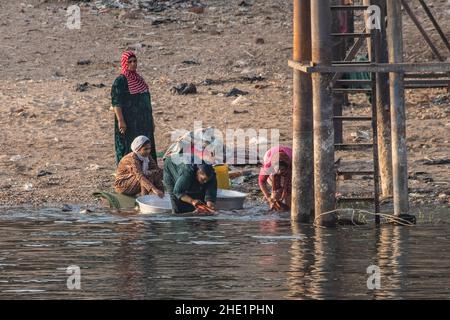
column 131, row 101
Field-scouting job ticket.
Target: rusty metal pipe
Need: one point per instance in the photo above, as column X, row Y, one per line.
column 302, row 205
column 398, row 114
column 383, row 107
column 324, row 171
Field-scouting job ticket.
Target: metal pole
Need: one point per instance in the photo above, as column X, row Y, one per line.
column 324, row 172
column 383, row 107
column 398, row 117
column 302, row 206
column 374, row 44
column 338, row 55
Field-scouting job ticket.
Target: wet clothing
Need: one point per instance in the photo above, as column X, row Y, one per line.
column 137, row 114
column 180, row 180
column 132, row 180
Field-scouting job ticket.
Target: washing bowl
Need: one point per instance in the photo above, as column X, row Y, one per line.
column 153, row 204
column 230, row 200
column 226, row 200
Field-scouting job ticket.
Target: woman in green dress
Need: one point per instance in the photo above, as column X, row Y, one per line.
column 131, row 101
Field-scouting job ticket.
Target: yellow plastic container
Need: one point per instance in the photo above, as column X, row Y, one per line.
column 222, row 175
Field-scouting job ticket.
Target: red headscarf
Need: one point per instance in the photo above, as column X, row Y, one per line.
column 136, row 84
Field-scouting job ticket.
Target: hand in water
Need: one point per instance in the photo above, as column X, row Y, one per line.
column 277, row 205
column 159, row 193
column 202, row 208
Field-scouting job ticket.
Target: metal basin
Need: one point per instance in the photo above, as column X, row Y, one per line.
column 230, row 200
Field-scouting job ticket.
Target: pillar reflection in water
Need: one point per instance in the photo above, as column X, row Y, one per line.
column 130, row 259
column 392, row 253
column 313, row 273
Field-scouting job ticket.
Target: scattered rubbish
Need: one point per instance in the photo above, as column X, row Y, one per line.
column 239, row 100
column 28, row 187
column 147, row 5
column 94, row 167
column 238, row 181
column 253, row 78
column 43, row 173
column 240, row 111
column 66, row 208
column 244, row 4
column 16, row 158
column 84, row 62
column 260, row 41
column 84, row 211
column 441, row 99
column 421, row 176
column 236, row 92
column 208, row 82
column 190, row 62
column 261, row 86
column 360, row 135
column 429, row 162
column 157, row 22
column 153, row 6
column 184, row 88
column 82, row 87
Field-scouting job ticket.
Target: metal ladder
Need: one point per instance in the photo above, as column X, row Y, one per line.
column 336, row 84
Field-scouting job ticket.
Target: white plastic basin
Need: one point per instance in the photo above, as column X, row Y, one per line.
column 154, row 204
column 226, row 200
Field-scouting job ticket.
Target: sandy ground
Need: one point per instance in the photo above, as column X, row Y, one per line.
column 46, row 125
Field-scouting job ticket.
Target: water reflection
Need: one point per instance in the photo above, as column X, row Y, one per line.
column 229, row 256
column 392, row 255
column 302, row 261
column 131, row 263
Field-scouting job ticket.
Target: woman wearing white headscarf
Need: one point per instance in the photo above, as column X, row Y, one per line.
column 137, row 172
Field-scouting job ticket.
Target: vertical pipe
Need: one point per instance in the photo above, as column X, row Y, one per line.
column 338, row 55
column 383, row 107
column 324, row 172
column 398, row 114
column 375, row 43
column 302, row 171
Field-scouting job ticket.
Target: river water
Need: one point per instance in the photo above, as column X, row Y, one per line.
column 235, row 255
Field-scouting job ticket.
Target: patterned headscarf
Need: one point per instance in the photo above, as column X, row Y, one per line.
column 136, row 84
